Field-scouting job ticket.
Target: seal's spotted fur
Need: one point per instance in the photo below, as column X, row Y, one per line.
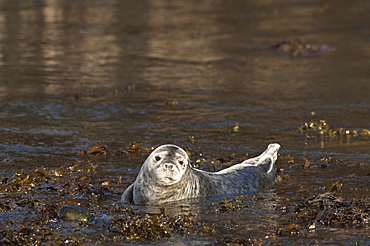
column 166, row 175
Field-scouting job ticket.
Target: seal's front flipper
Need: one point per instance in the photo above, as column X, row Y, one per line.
column 128, row 195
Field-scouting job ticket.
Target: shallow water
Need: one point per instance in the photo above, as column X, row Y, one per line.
column 79, row 73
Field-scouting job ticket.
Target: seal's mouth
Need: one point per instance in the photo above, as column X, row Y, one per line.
column 169, row 177
column 167, row 181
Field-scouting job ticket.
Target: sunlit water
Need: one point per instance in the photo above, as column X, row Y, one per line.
column 79, row 73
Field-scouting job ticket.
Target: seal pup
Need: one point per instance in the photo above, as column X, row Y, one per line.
column 166, row 176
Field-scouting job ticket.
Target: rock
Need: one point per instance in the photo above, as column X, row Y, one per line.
column 74, row 213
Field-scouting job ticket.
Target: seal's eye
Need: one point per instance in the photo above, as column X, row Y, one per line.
column 181, row 162
column 157, row 158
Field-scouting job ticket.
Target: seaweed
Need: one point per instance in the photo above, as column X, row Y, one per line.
column 146, row 226
column 39, row 199
column 227, row 205
column 330, row 209
column 295, row 47
column 315, row 129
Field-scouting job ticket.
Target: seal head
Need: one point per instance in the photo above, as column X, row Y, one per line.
column 161, row 178
column 167, row 164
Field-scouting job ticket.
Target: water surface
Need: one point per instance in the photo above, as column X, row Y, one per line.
column 79, row 73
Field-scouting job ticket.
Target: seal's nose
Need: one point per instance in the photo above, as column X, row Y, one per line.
column 168, row 166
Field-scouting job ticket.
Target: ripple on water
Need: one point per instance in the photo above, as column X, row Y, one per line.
column 69, row 111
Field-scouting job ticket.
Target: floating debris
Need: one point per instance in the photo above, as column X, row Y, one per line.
column 131, row 88
column 144, row 226
column 236, row 241
column 227, row 205
column 192, row 139
column 322, row 129
column 28, row 194
column 288, row 230
column 53, row 181
column 173, row 102
column 47, row 213
column 295, row 47
column 286, row 163
column 330, row 209
column 32, row 230
column 95, row 150
column 292, row 228
column 134, row 147
column 307, row 164
column 236, row 127
column 22, row 181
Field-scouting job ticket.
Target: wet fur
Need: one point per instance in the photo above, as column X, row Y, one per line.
column 238, row 179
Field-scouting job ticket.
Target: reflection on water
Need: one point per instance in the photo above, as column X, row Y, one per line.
column 71, row 46
column 77, row 73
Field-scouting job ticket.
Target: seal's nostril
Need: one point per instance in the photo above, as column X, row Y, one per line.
column 169, row 166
